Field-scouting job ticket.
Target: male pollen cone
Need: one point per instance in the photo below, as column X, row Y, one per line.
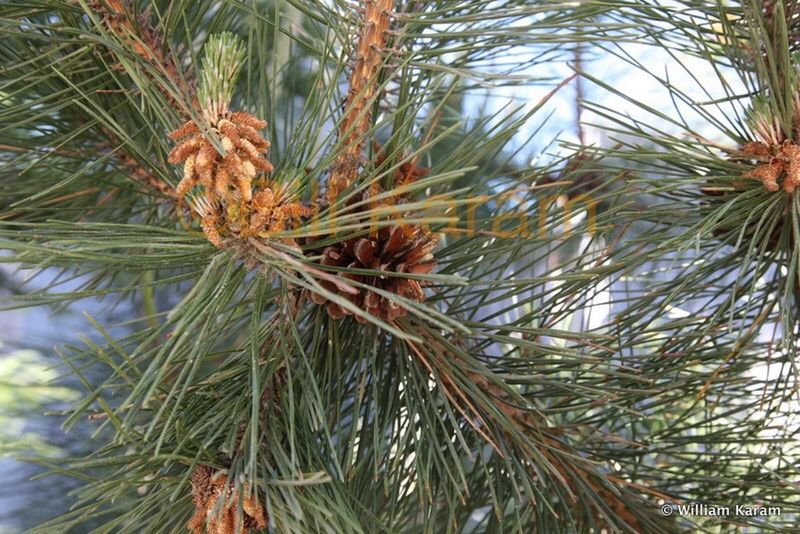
column 208, row 487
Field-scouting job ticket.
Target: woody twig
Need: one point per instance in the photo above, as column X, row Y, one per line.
column 140, row 36
column 370, row 55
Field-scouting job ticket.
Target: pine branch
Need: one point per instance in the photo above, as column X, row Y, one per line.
column 484, row 396
column 370, row 55
column 530, row 436
column 134, row 168
column 141, row 37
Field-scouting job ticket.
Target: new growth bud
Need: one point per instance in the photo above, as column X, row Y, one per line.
column 222, row 61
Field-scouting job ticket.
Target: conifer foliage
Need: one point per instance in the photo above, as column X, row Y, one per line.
column 363, row 309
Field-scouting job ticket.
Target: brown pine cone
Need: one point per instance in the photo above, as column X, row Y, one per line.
column 401, row 248
column 407, row 173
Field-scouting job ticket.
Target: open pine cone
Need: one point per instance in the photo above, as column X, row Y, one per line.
column 401, row 248
column 397, row 249
column 208, row 487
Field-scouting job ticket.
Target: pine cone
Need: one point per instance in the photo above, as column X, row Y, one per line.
column 208, row 487
column 407, row 172
column 397, row 249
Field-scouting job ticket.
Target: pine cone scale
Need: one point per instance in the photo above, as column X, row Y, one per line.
column 392, row 250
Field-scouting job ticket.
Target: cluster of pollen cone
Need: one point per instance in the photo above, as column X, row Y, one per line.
column 772, row 158
column 776, row 156
column 778, row 165
column 216, row 505
column 232, row 205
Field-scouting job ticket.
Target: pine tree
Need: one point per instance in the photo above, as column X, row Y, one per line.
column 362, row 313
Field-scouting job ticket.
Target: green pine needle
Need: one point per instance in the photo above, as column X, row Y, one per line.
column 223, row 57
